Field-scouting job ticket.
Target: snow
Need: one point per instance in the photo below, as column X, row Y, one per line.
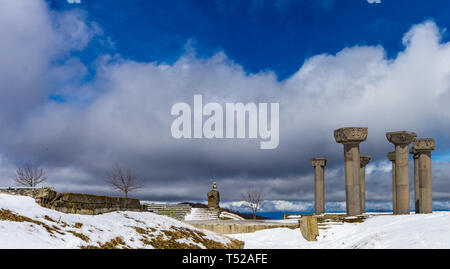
column 99, row 228
column 380, row 231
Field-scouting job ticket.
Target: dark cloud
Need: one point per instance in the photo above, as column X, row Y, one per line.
column 123, row 115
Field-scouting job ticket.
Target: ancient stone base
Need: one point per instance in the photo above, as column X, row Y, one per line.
column 309, row 228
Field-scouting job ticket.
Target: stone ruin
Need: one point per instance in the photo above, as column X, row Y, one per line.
column 354, row 164
column 213, row 197
column 319, row 184
column 77, row 203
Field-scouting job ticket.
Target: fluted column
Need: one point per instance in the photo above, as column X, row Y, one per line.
column 364, row 160
column 351, row 137
column 401, row 140
column 423, row 147
column 319, row 184
column 391, row 157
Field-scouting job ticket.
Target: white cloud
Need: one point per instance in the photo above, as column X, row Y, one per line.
column 123, row 115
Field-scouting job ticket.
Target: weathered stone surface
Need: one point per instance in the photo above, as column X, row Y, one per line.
column 351, row 137
column 414, row 152
column 40, row 193
column 319, row 161
column 401, row 137
column 364, row 160
column 77, row 203
column 423, row 148
column 391, row 157
column 319, row 184
column 401, row 140
column 309, row 227
column 213, row 197
column 424, row 144
column 351, row 134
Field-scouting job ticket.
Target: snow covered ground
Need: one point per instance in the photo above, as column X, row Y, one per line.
column 382, row 231
column 25, row 224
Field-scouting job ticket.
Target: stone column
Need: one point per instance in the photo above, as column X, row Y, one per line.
column 391, row 157
column 319, row 184
column 416, row 178
column 364, row 160
column 351, row 137
column 423, row 147
column 401, row 140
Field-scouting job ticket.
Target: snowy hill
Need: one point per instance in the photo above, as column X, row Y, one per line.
column 379, row 231
column 25, row 224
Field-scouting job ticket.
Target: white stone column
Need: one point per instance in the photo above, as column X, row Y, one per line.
column 423, row 147
column 363, row 162
column 351, row 137
column 401, row 140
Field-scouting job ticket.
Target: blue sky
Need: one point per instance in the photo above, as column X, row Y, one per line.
column 258, row 34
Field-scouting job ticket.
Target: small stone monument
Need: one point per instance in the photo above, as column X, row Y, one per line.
column 213, row 197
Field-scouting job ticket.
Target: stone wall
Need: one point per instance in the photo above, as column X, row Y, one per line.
column 77, row 203
column 32, row 192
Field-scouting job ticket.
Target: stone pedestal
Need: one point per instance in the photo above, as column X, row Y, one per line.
column 416, row 178
column 423, row 148
column 351, row 137
column 213, row 197
column 364, row 160
column 401, row 140
column 391, row 157
column 319, row 184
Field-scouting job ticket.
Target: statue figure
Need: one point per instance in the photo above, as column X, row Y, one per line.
column 213, row 197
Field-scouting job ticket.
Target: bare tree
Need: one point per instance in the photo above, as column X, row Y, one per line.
column 30, row 175
column 253, row 198
column 123, row 180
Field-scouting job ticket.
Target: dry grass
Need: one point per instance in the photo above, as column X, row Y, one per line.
column 114, row 243
column 169, row 239
column 49, row 219
column 6, row 214
column 357, row 219
column 83, row 237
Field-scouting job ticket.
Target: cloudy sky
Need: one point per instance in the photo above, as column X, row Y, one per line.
column 86, row 84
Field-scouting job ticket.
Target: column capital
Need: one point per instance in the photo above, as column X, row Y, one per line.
column 364, row 160
column 424, row 144
column 401, row 137
column 319, row 161
column 391, row 156
column 414, row 152
column 350, row 134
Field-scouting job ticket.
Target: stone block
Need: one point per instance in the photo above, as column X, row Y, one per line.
column 309, row 227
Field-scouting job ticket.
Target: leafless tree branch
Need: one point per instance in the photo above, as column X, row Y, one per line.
column 30, row 175
column 123, row 180
column 253, row 198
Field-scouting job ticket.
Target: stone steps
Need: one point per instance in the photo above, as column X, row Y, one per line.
column 176, row 211
column 203, row 214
